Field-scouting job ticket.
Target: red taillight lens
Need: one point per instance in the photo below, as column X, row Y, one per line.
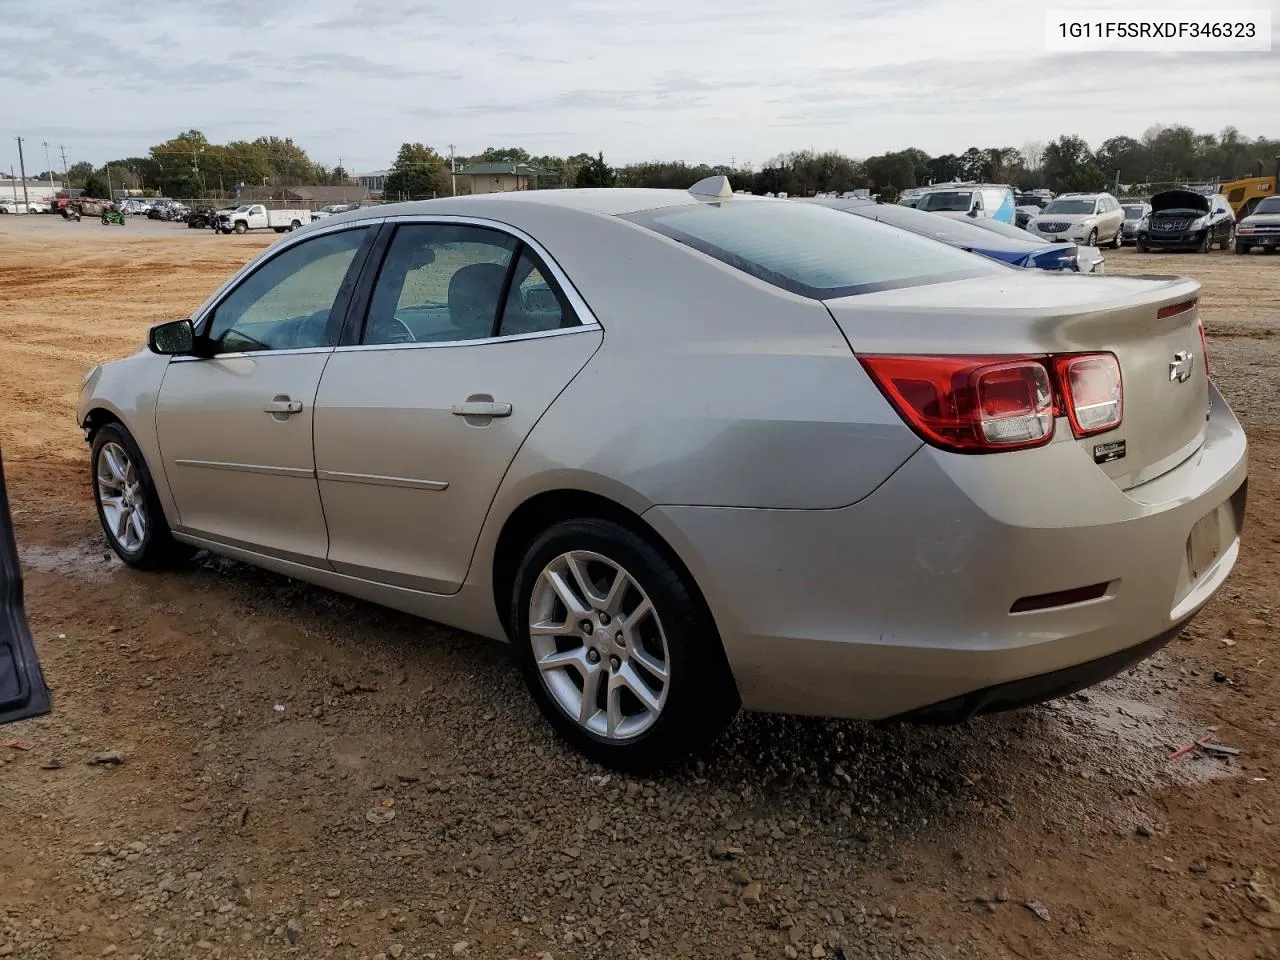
column 1092, row 392
column 969, row 404
column 1204, row 346
column 1173, row 309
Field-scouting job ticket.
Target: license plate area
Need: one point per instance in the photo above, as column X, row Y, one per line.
column 1204, row 545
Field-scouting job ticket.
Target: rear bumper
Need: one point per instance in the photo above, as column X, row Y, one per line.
column 903, row 601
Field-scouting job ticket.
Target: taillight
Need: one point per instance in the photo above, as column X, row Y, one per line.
column 1204, row 346
column 1092, row 391
column 987, row 404
column 969, row 404
column 1173, row 309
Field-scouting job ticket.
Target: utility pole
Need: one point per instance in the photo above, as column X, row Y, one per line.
column 22, row 169
column 109, row 197
column 66, row 173
column 453, row 173
column 13, row 182
column 49, row 167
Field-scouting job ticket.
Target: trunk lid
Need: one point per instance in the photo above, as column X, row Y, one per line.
column 1166, row 391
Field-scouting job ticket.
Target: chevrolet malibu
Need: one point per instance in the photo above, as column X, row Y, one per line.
column 690, row 452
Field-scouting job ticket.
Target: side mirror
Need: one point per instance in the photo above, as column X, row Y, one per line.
column 975, row 211
column 175, row 338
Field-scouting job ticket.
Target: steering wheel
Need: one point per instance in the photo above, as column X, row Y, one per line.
column 390, row 335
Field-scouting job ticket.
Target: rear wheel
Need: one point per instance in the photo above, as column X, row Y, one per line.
column 296, row 225
column 128, row 506
column 621, row 657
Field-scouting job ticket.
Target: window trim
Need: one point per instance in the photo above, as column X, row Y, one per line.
column 358, row 309
column 342, row 302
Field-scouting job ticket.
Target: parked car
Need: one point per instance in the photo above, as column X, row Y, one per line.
column 878, row 477
column 23, row 692
column 13, row 206
column 331, row 209
column 1261, row 228
column 1088, row 218
column 1087, row 259
column 1024, row 214
column 965, row 234
column 1135, row 211
column 1186, row 220
column 256, row 216
column 973, row 200
column 202, row 218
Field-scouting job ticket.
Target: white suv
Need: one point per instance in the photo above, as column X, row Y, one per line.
column 1086, row 218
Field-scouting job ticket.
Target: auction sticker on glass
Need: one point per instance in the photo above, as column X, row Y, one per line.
column 1162, row 31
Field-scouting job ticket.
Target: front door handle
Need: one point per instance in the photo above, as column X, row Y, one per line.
column 283, row 405
column 482, row 408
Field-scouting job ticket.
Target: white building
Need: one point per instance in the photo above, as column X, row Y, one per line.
column 374, row 181
column 38, row 191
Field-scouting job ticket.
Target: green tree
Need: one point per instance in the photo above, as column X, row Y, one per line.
column 95, row 187
column 596, row 173
column 503, row 155
column 418, row 173
column 78, row 173
column 1069, row 165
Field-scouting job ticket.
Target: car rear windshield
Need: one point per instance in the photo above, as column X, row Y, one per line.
column 1070, row 207
column 1268, row 205
column 946, row 201
column 812, row 250
column 1133, row 211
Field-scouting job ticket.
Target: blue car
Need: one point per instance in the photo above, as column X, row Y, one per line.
column 1013, row 250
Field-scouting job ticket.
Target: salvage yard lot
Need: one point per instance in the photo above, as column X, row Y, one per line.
column 266, row 728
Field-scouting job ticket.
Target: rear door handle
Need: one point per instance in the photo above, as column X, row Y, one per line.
column 481, row 408
column 283, row 405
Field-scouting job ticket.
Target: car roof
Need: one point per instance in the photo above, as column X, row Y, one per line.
column 607, row 201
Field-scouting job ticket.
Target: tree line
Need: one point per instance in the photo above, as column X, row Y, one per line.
column 189, row 165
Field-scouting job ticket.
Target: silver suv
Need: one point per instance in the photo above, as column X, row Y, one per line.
column 1081, row 218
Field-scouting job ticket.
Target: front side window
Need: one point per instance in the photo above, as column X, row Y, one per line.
column 440, row 283
column 947, row 201
column 810, row 249
column 286, row 303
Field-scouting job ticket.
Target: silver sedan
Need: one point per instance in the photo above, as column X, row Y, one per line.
column 692, row 451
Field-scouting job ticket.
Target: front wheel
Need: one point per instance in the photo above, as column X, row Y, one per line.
column 1140, row 246
column 1207, row 243
column 1093, row 238
column 128, row 506
column 1228, row 240
column 1118, row 240
column 620, row 656
column 241, row 227
column 1241, row 246
column 105, row 220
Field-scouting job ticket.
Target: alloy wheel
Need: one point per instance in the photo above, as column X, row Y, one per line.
column 120, row 491
column 599, row 645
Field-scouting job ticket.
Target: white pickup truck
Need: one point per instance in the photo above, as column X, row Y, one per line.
column 255, row 216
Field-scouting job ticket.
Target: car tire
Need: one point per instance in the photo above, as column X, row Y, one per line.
column 128, row 506
column 1140, row 246
column 296, row 225
column 1241, row 246
column 1092, row 241
column 241, row 227
column 672, row 651
column 1228, row 240
column 1118, row 240
column 1207, row 243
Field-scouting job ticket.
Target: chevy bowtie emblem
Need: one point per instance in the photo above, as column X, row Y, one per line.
column 1180, row 366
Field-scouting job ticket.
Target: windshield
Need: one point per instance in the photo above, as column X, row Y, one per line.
column 1269, row 205
column 811, row 250
column 1133, row 211
column 243, row 209
column 1070, row 207
column 949, row 201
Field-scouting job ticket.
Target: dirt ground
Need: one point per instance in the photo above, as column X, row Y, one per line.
column 266, row 728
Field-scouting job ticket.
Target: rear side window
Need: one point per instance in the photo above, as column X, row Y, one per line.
column 812, row 250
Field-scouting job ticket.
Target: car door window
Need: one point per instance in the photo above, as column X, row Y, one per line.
column 287, row 303
column 534, row 302
column 439, row 283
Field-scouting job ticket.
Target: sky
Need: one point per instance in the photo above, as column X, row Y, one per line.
column 716, row 81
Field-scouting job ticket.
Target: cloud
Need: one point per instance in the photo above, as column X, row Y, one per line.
column 693, row 81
